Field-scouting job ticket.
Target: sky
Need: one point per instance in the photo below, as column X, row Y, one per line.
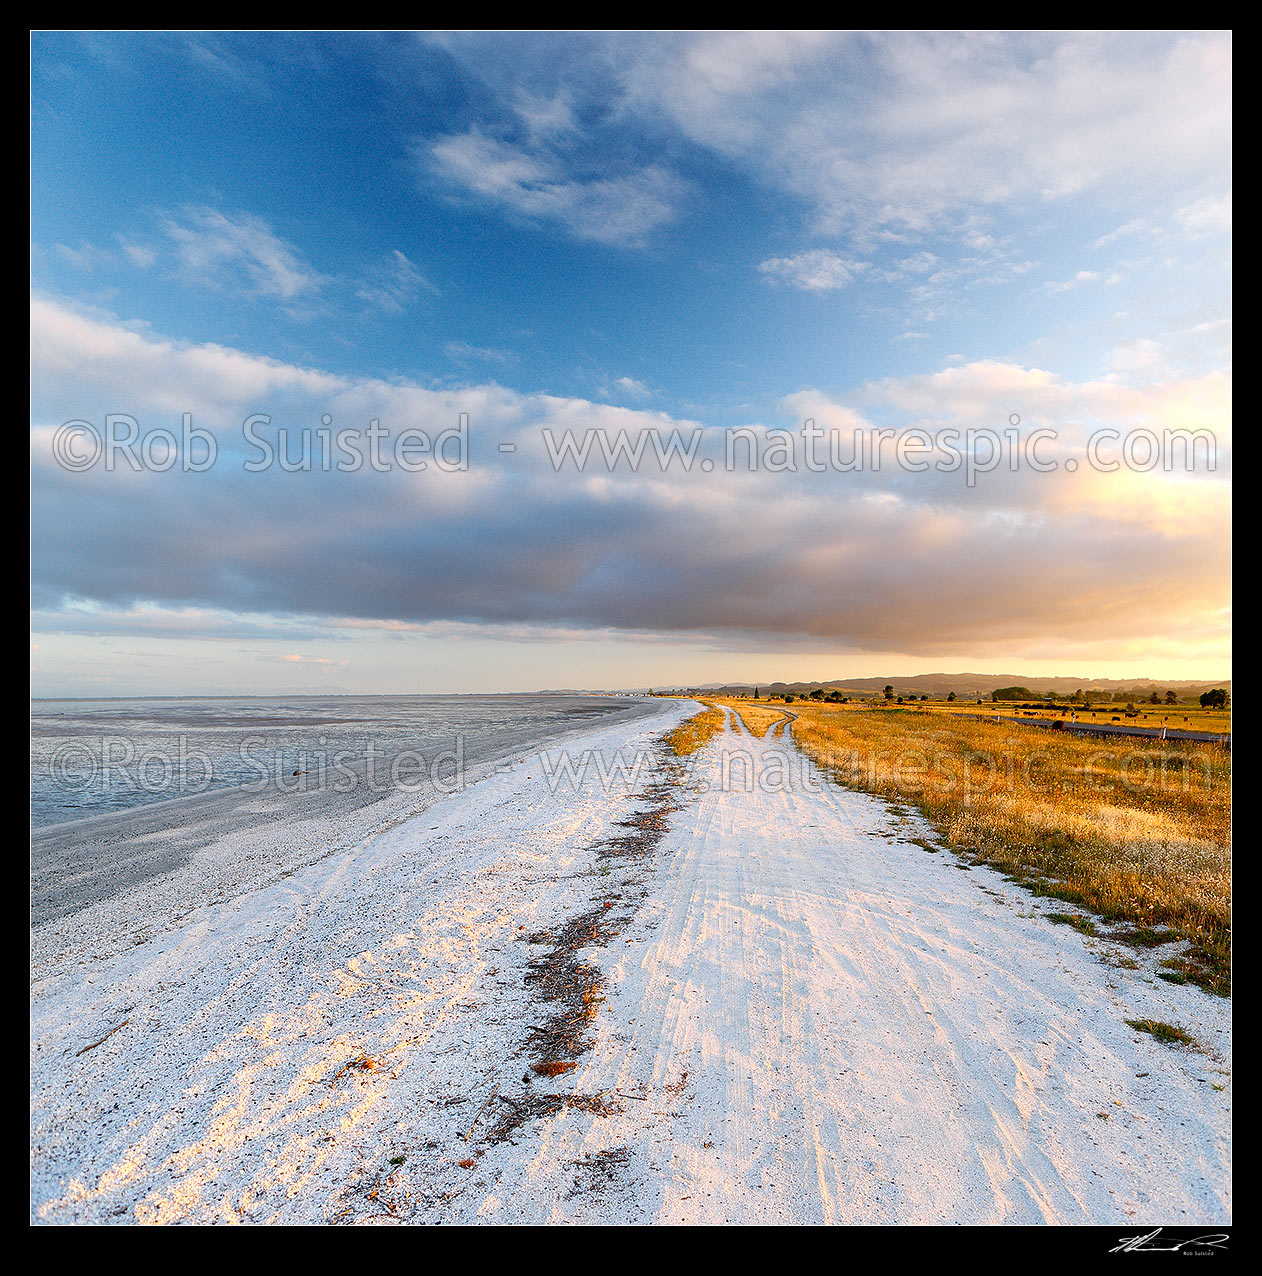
column 335, row 339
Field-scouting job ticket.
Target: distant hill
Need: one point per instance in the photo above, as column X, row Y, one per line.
column 970, row 685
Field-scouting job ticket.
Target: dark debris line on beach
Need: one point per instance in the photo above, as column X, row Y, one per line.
column 570, row 986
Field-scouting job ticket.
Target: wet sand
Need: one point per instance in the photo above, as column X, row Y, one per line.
column 91, row 861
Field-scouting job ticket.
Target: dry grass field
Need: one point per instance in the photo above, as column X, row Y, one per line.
column 1179, row 717
column 758, row 718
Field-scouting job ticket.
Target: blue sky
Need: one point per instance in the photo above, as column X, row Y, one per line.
column 703, row 231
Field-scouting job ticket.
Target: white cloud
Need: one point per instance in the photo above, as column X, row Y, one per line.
column 630, row 386
column 911, row 130
column 1136, row 226
column 139, row 374
column 1208, row 216
column 939, row 288
column 392, row 285
column 239, row 251
column 819, row 270
column 622, row 208
column 142, row 256
column 546, row 117
column 1065, row 285
column 921, row 263
column 86, row 257
column 463, row 353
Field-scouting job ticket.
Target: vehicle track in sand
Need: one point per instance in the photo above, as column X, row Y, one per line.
column 867, row 1034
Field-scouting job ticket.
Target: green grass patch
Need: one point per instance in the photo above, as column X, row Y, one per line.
column 1172, row 1034
column 1083, row 924
column 1146, row 936
column 1207, row 971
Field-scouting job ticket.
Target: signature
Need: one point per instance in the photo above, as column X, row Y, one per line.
column 1137, row 1244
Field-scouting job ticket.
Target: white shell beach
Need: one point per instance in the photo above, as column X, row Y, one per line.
column 807, row 1018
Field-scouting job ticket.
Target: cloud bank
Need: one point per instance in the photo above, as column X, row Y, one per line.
column 881, row 560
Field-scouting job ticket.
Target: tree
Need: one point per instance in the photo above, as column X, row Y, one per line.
column 951, row 697
column 1154, row 698
column 1171, row 698
column 888, row 692
column 1215, row 699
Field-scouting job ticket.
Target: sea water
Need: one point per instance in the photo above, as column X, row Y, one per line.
column 92, row 757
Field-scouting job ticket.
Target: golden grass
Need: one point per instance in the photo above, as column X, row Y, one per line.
column 696, row 732
column 1179, row 717
column 1137, row 831
column 758, row 718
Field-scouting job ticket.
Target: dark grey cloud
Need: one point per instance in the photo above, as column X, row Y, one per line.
column 883, row 561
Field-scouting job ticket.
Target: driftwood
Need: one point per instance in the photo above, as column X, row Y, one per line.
column 105, row 1038
column 482, row 1109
